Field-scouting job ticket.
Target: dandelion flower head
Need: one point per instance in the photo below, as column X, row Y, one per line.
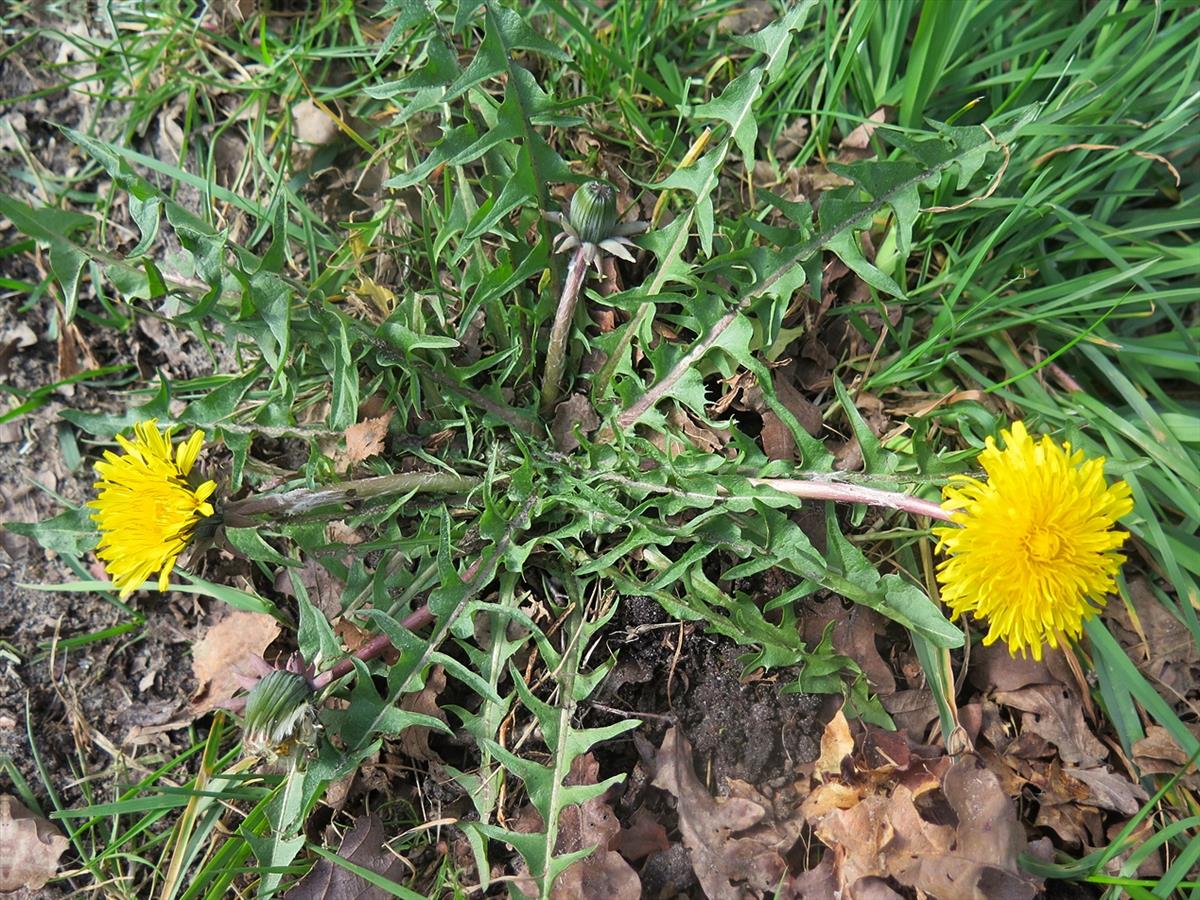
column 146, row 508
column 1032, row 550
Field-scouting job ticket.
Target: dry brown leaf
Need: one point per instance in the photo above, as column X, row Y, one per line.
column 363, row 845
column 311, row 124
column 29, row 847
column 576, row 412
column 727, row 866
column 857, row 144
column 414, row 740
column 913, row 710
column 792, row 139
column 886, row 836
column 1110, row 790
column 222, row 659
column 836, row 745
column 323, row 588
column 1160, row 754
column 644, row 835
column 1053, row 714
column 365, row 439
column 604, row 874
column 994, row 668
column 1158, row 642
column 988, row 839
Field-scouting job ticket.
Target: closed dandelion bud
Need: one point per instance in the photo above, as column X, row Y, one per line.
column 279, row 715
column 594, row 211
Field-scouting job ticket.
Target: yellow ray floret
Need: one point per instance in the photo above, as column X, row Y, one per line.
column 146, row 509
column 1032, row 550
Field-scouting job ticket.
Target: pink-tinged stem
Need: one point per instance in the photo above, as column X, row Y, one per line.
column 372, row 648
column 841, row 492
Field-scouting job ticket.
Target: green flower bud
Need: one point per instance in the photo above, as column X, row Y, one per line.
column 278, row 715
column 594, row 211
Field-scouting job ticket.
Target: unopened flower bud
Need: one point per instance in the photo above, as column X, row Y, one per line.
column 278, row 714
column 594, row 211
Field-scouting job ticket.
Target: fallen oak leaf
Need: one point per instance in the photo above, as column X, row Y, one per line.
column 1158, row 753
column 1110, row 790
column 603, row 875
column 29, row 847
column 988, row 839
column 1050, row 712
column 726, row 866
column 224, row 658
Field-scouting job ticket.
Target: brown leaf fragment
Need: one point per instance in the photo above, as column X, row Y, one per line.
column 311, row 124
column 29, row 847
column 1110, row 790
column 988, row 839
column 817, row 883
column 323, row 588
column 642, row 836
column 791, row 140
column 777, row 440
column 857, row 144
column 365, row 439
column 414, row 740
column 1158, row 641
column 730, row 855
column 604, row 875
column 223, row 658
column 576, row 412
column 836, row 745
column 1158, row 753
column 994, row 668
column 914, row 711
column 1053, row 714
column 364, row 846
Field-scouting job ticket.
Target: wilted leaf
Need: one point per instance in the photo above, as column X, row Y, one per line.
column 1053, row 714
column 223, row 658
column 366, row 439
column 414, row 741
column 575, row 412
column 363, row 846
column 1160, row 754
column 644, row 835
column 728, row 851
column 604, row 875
column 29, row 847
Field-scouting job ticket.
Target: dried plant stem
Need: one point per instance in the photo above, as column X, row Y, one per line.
column 302, row 501
column 841, row 492
column 560, row 332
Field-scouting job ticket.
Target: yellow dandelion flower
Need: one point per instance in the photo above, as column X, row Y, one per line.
column 146, row 509
column 1032, row 549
